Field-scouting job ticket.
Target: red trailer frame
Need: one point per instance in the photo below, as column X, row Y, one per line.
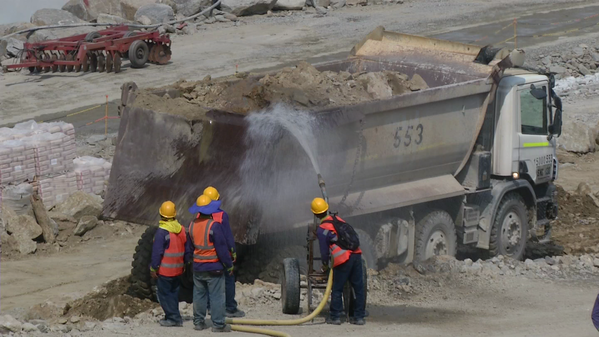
column 96, row 51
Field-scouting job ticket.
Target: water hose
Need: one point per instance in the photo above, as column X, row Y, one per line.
column 296, row 321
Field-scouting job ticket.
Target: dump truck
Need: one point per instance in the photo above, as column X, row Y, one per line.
column 470, row 161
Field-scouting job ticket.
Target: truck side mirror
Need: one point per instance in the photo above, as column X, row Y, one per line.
column 556, row 127
column 538, row 93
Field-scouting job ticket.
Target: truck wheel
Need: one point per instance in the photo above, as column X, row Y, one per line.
column 510, row 228
column 138, row 53
column 369, row 256
column 435, row 235
column 290, row 286
column 142, row 285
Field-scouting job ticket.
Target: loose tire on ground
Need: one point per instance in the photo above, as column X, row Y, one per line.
column 138, row 53
column 435, row 235
column 510, row 228
column 290, row 286
column 91, row 36
column 142, row 285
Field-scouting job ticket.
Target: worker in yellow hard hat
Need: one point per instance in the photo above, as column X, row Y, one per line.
column 211, row 262
column 222, row 217
column 168, row 261
column 340, row 243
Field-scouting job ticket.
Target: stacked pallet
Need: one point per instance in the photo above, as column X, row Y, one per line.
column 47, row 151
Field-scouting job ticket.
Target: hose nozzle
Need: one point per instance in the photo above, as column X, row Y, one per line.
column 320, row 180
column 323, row 188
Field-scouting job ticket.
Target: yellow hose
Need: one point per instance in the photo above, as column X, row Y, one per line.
column 297, row 321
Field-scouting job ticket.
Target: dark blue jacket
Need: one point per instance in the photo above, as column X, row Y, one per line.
column 324, row 243
column 218, row 238
column 227, row 229
column 595, row 314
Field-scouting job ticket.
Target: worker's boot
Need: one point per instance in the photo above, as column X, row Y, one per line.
column 226, row 328
column 235, row 314
column 336, row 321
column 359, row 321
column 169, row 323
column 201, row 326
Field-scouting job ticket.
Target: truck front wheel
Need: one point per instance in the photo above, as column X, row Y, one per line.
column 510, row 228
column 435, row 235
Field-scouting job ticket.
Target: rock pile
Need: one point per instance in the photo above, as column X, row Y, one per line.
column 302, row 86
column 579, row 61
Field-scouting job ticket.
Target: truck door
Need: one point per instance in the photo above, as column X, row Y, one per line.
column 535, row 151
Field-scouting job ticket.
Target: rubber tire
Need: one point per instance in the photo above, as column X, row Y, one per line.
column 290, row 286
column 511, row 201
column 136, row 60
column 128, row 34
column 436, row 220
column 368, row 249
column 91, row 36
column 142, row 285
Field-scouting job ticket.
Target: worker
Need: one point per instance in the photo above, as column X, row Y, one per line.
column 223, row 218
column 168, row 261
column 346, row 264
column 211, row 260
column 595, row 314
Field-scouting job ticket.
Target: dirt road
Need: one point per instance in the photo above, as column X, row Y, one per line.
column 262, row 42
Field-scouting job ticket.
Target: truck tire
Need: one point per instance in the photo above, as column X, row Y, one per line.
column 138, row 53
column 142, row 285
column 369, row 256
column 435, row 235
column 510, row 228
column 290, row 286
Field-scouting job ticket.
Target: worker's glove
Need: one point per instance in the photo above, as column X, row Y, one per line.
column 230, row 270
column 233, row 255
column 324, row 269
column 153, row 273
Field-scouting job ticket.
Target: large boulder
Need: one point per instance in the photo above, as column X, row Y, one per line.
column 52, row 34
column 10, row 28
column 114, row 19
column 80, row 10
column 50, row 16
column 130, row 7
column 24, row 226
column 290, row 4
column 80, row 204
column 10, row 46
column 247, row 7
column 157, row 13
column 9, row 324
column 86, row 223
column 23, row 244
column 577, row 136
column 191, row 7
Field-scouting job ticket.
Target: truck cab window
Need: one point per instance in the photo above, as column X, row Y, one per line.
column 533, row 112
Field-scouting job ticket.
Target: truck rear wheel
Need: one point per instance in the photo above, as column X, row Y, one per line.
column 435, row 235
column 368, row 249
column 290, row 286
column 142, row 285
column 510, row 228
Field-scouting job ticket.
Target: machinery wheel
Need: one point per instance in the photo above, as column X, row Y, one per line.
column 510, row 228
column 117, row 62
column 85, row 63
column 91, row 36
column 435, row 235
column 368, row 249
column 109, row 62
column 62, row 68
column 93, row 62
column 54, row 57
column 138, row 53
column 290, row 286
column 101, row 62
column 128, row 34
column 70, row 58
column 46, row 58
column 142, row 285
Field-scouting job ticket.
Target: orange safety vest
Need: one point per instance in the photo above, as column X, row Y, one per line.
column 340, row 255
column 199, row 232
column 218, row 217
column 173, row 259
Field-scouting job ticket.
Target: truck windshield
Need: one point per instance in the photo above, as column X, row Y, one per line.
column 533, row 114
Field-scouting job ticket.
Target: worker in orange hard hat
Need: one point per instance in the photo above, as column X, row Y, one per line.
column 168, row 261
column 211, row 261
column 340, row 244
column 223, row 218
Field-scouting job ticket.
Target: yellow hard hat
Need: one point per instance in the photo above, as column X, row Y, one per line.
column 212, row 193
column 203, row 200
column 167, row 210
column 319, row 206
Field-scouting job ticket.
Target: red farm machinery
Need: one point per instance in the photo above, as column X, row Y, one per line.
column 99, row 51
